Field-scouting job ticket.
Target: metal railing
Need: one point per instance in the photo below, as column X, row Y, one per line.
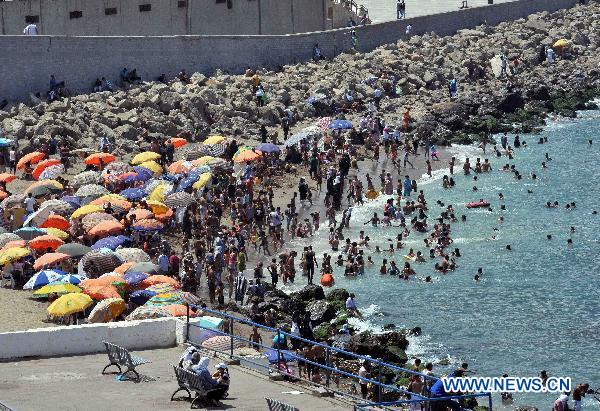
column 353, row 6
column 333, row 378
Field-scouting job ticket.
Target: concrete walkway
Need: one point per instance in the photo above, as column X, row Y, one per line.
column 76, row 383
column 384, row 10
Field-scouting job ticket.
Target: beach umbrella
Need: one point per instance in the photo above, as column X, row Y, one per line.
column 49, row 259
column 218, row 163
column 96, row 262
column 74, row 250
column 133, row 254
column 85, row 210
column 340, row 125
column 69, row 304
column 30, row 158
column 213, row 150
column 158, row 279
column 116, row 168
column 165, row 217
column 93, row 219
column 43, row 278
column 13, row 244
column 161, row 288
column 152, row 166
column 37, row 217
column 5, row 142
column 55, row 221
column 274, row 355
column 29, row 233
column 6, row 238
column 85, row 178
column 164, row 299
column 177, row 141
column 157, row 207
column 213, row 140
column 42, row 165
column 202, row 181
column 98, row 159
column 561, row 43
column 144, row 157
column 52, row 172
column 180, row 167
column 203, row 160
column 105, row 228
column 148, row 225
column 114, row 200
column 268, row 148
column 158, row 190
column 74, row 201
column 122, row 269
column 59, row 207
column 134, row 277
column 144, row 267
column 143, row 174
column 45, row 242
column 13, row 254
column 109, row 278
column 221, row 342
column 146, row 313
column 107, row 310
column 101, row 292
column 178, row 310
column 110, row 242
column 133, row 193
column 140, row 297
column 323, row 123
column 307, row 133
column 63, row 235
column 91, row 190
column 247, row 155
column 7, row 178
column 72, row 279
column 189, row 298
column 179, row 200
column 58, row 288
column 10, row 202
column 140, row 214
column 44, row 187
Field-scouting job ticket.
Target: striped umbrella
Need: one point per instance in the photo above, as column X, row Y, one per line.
column 179, row 200
column 132, row 254
column 85, row 178
column 43, row 278
column 214, row 150
column 93, row 219
column 189, row 298
column 161, row 288
column 164, row 299
column 10, row 202
column 96, row 263
column 107, row 310
column 91, row 190
column 51, row 172
column 145, row 313
column 116, row 168
column 59, row 207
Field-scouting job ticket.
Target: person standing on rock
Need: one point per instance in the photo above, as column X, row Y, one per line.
column 354, row 39
column 406, row 118
column 550, row 55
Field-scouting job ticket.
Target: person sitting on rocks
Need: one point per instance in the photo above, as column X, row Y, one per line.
column 183, row 77
column 317, row 55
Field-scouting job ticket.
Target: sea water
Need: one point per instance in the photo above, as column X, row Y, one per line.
column 537, row 306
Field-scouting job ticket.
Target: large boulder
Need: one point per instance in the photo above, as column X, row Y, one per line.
column 311, row 292
column 321, row 311
column 14, row 128
column 511, row 102
column 169, row 100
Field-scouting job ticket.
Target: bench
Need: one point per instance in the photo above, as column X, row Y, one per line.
column 275, row 405
column 119, row 356
column 188, row 382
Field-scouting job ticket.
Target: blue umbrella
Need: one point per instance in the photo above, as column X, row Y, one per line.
column 134, row 277
column 44, row 277
column 111, row 242
column 29, row 233
column 73, row 279
column 340, row 125
column 133, row 193
column 143, row 174
column 286, row 356
column 72, row 200
column 140, row 297
column 268, row 148
column 5, row 142
column 186, row 183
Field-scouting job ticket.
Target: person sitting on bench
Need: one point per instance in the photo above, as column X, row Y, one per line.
column 216, row 390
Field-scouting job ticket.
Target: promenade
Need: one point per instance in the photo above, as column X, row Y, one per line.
column 385, row 10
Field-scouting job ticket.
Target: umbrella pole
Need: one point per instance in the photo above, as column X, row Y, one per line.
column 231, row 339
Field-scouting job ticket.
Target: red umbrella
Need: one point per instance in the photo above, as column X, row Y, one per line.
column 44, row 165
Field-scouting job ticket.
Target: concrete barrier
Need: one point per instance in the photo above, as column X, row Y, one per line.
column 87, row 339
column 26, row 62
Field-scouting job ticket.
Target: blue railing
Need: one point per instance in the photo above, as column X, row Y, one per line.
column 331, row 373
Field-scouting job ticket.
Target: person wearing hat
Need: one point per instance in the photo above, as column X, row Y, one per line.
column 222, row 375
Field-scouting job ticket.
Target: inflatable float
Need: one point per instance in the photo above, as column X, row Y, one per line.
column 371, row 194
column 327, row 280
column 477, row 204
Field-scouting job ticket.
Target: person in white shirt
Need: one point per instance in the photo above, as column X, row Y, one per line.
column 29, row 204
column 12, row 160
column 31, row 30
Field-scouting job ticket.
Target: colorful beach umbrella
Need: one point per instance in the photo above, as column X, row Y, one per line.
column 42, row 165
column 63, row 235
column 177, row 141
column 43, row 278
column 74, row 250
column 60, row 207
column 85, row 178
column 56, row 221
column 69, row 304
column 52, row 172
column 146, row 313
column 101, row 292
column 152, row 166
column 85, row 210
column 340, row 125
column 13, row 254
column 107, row 310
column 160, row 279
column 93, row 219
column 29, row 233
column 7, row 178
column 268, row 148
column 164, row 299
column 106, row 228
column 202, row 181
column 247, row 155
column 161, row 288
column 148, row 225
column 49, row 259
column 179, row 200
column 45, row 242
column 6, row 238
column 111, row 242
column 133, row 193
column 132, row 254
column 30, row 158
column 213, row 140
column 58, row 288
column 145, row 267
column 144, row 157
column 98, row 159
column 140, row 297
column 96, row 262
column 134, row 277
column 91, row 190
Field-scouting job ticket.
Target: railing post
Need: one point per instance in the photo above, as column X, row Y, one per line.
column 278, row 347
column 328, row 374
column 231, row 338
column 379, row 380
column 490, row 401
column 187, row 323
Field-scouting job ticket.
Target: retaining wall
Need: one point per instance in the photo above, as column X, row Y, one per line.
column 27, row 62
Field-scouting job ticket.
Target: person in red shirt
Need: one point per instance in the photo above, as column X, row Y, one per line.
column 174, row 264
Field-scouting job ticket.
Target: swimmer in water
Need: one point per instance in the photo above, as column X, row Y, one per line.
column 370, row 261
column 500, row 196
column 549, row 236
column 508, row 247
column 570, row 241
column 476, row 278
column 544, row 164
column 474, row 188
column 463, row 218
column 529, row 191
column 377, row 249
column 533, row 176
column 548, row 157
column 572, row 229
column 428, row 279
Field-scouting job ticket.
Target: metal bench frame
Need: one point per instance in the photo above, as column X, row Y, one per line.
column 188, row 382
column 275, row 405
column 119, row 356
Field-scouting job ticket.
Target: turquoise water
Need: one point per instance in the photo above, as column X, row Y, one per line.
column 538, row 306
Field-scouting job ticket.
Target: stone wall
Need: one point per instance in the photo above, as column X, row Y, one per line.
column 27, row 62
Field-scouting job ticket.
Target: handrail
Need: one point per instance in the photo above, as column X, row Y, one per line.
column 420, row 397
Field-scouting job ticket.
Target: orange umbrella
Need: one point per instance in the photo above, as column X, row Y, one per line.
column 180, row 167
column 101, row 281
column 122, row 204
column 102, row 292
column 31, row 158
column 141, row 214
column 99, row 158
column 45, row 242
column 105, row 228
column 248, row 155
column 14, row 244
column 178, row 310
column 56, row 221
column 177, row 142
column 42, row 165
column 159, row 279
column 3, row 195
column 7, row 178
column 50, row 259
column 124, row 267
column 164, row 217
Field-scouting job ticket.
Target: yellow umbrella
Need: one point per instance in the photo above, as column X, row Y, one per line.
column 56, row 288
column 213, row 140
column 70, row 304
column 202, row 160
column 562, row 43
column 202, row 180
column 13, row 254
column 63, row 235
column 159, row 193
column 111, row 196
column 152, row 166
column 144, row 157
column 107, row 310
column 86, row 209
column 157, row 206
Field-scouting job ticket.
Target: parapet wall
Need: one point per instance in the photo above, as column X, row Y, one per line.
column 27, row 62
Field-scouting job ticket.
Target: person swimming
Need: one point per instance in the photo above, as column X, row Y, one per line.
column 508, row 247
column 549, row 236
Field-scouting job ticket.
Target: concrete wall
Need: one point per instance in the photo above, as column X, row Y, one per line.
column 86, row 339
column 166, row 17
column 27, row 62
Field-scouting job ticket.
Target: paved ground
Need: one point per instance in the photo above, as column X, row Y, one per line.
column 383, row 10
column 75, row 383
